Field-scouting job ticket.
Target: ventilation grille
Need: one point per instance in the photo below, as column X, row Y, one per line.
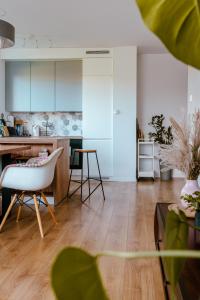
column 97, row 52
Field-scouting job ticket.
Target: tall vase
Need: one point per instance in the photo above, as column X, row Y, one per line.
column 189, row 188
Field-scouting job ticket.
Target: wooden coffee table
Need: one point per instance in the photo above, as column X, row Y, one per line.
column 188, row 287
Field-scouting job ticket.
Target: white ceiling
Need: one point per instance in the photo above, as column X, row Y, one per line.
column 80, row 23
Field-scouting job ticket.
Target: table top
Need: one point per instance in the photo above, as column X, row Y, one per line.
column 7, row 149
column 36, row 139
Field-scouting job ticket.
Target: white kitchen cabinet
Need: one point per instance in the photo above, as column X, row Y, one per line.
column 97, row 66
column 17, row 86
column 97, row 107
column 68, row 84
column 105, row 155
column 42, row 86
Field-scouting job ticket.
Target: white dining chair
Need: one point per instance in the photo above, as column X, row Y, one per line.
column 32, row 178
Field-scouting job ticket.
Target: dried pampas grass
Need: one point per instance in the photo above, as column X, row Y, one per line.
column 184, row 152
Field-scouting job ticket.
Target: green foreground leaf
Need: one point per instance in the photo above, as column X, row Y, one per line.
column 75, row 276
column 177, row 24
column 176, row 238
column 75, row 273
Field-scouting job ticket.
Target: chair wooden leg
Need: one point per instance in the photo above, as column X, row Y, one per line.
column 20, row 207
column 49, row 208
column 8, row 211
column 38, row 215
column 19, row 213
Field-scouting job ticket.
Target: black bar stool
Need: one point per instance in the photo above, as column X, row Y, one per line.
column 88, row 178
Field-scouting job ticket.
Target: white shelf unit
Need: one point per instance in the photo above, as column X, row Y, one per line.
column 146, row 158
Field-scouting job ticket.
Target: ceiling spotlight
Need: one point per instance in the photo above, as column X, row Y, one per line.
column 7, row 34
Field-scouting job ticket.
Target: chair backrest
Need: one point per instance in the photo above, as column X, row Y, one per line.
column 50, row 163
column 31, row 177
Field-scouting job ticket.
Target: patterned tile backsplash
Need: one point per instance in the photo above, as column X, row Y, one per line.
column 60, row 124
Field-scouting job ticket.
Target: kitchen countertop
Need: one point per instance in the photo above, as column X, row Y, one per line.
column 35, row 139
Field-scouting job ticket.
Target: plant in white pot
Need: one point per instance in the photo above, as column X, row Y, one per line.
column 184, row 153
column 163, row 136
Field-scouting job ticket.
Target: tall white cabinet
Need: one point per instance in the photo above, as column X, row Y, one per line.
column 98, row 112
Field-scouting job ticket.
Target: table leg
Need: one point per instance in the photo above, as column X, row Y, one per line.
column 6, row 193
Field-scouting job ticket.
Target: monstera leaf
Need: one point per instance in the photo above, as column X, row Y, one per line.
column 176, row 238
column 177, row 24
column 75, row 276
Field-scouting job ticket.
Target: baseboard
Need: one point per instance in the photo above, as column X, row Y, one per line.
column 123, row 179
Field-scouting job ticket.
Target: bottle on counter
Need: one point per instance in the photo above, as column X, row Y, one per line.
column 2, row 120
column 3, row 128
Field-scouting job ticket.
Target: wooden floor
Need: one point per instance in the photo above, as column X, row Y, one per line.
column 124, row 222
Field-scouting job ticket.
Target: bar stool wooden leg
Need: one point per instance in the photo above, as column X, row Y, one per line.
column 70, row 178
column 38, row 215
column 49, row 208
column 20, row 207
column 14, row 199
column 100, row 177
column 82, row 184
column 88, row 167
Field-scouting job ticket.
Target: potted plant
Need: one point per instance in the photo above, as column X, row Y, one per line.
column 163, row 136
column 194, row 202
column 184, row 153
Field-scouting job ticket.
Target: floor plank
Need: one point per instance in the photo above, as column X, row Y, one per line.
column 123, row 223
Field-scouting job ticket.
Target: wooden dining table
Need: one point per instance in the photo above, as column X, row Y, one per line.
column 6, row 159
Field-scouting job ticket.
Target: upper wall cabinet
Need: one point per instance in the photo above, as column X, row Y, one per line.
column 42, row 86
column 97, row 66
column 69, row 86
column 17, row 86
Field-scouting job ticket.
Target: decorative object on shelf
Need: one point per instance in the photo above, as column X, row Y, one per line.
column 36, row 130
column 146, row 156
column 163, row 136
column 3, row 128
column 184, row 153
column 1, row 125
column 140, row 133
column 193, row 201
column 7, row 34
column 19, row 125
column 47, row 125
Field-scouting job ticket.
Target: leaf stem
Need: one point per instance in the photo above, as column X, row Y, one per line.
column 150, row 254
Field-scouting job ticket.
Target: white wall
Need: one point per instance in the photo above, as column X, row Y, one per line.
column 2, row 86
column 125, row 104
column 193, row 89
column 162, row 88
